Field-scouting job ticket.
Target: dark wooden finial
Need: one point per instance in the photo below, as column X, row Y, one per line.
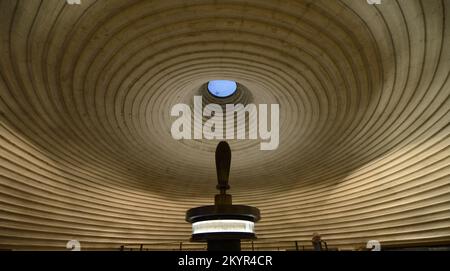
column 223, row 161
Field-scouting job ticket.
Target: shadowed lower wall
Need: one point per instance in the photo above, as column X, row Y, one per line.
column 86, row 92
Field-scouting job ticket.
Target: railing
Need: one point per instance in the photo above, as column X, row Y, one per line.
column 181, row 245
column 258, row 245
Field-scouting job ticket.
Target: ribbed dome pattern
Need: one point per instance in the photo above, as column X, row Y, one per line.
column 86, row 93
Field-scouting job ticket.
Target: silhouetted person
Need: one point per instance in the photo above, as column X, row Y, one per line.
column 317, row 242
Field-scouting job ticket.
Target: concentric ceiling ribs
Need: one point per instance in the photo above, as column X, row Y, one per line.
column 86, row 92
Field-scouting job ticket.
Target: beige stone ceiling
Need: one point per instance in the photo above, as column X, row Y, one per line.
column 86, row 92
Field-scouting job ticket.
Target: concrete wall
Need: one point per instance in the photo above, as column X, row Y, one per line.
column 86, row 92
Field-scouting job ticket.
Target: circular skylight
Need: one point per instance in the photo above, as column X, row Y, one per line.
column 222, row 88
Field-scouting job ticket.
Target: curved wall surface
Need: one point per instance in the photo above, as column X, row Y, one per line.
column 86, row 93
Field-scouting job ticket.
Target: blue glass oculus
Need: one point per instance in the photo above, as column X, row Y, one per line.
column 222, row 88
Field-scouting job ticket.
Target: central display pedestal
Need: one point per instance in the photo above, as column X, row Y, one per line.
column 223, row 225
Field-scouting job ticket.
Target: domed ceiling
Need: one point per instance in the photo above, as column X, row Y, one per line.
column 87, row 91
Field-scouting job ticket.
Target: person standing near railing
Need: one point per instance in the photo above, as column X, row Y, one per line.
column 317, row 242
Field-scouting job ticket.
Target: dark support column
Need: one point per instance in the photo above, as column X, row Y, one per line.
column 224, row 245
